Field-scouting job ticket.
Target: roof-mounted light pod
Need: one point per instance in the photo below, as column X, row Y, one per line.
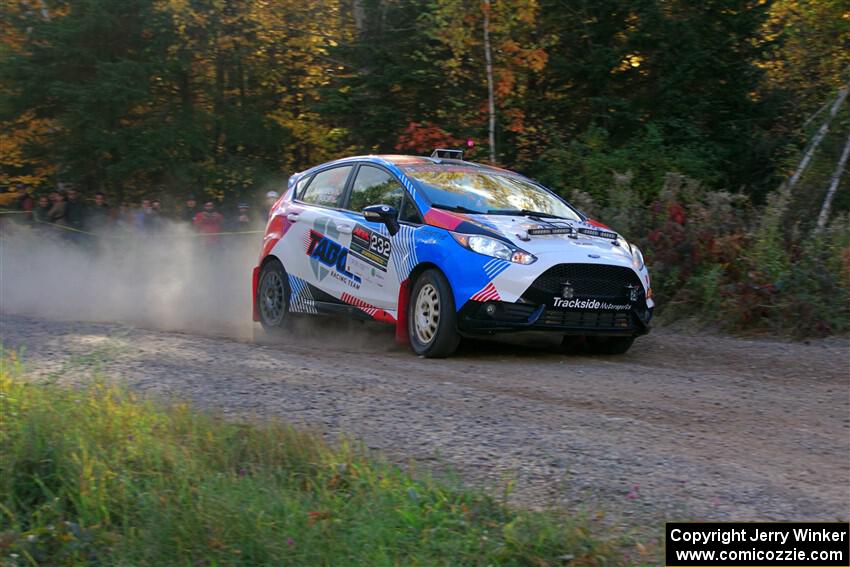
column 447, row 154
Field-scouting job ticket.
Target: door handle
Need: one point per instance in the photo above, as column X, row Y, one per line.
column 292, row 217
column 344, row 228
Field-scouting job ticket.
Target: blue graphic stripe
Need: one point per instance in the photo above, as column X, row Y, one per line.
column 300, row 299
column 403, row 253
column 495, row 267
column 403, row 178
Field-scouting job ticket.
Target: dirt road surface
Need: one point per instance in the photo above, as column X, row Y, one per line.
column 682, row 427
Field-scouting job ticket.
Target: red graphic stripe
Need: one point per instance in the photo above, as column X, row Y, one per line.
column 443, row 219
column 371, row 310
column 488, row 293
column 597, row 224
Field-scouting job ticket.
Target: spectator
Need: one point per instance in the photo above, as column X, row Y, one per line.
column 124, row 220
column 75, row 210
column 25, row 202
column 191, row 209
column 40, row 213
column 271, row 199
column 158, row 219
column 144, row 220
column 243, row 219
column 208, row 222
column 100, row 215
column 58, row 209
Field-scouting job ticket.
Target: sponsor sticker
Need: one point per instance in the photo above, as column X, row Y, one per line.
column 371, row 247
column 592, row 304
column 365, row 271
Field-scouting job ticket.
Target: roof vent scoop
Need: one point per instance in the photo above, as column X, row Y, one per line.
column 447, row 154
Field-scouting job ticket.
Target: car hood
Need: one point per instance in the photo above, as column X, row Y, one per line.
column 585, row 244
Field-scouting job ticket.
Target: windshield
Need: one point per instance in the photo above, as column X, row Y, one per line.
column 471, row 190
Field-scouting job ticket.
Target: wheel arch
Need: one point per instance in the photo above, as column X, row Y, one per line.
column 255, row 282
column 401, row 333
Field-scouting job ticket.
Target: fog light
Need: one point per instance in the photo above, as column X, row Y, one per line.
column 490, row 309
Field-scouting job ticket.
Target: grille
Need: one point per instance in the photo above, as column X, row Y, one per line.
column 586, row 319
column 590, row 281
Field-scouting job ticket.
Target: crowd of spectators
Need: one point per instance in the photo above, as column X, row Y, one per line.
column 69, row 212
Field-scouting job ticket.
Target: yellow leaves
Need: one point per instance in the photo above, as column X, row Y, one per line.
column 631, row 61
column 16, row 138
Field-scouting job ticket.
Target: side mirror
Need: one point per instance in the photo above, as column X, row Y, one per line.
column 385, row 214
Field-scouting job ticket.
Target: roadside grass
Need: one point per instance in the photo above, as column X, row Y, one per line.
column 97, row 476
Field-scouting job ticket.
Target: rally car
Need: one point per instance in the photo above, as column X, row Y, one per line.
column 444, row 248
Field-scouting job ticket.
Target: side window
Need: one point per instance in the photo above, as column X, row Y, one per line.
column 409, row 212
column 326, row 187
column 299, row 187
column 375, row 186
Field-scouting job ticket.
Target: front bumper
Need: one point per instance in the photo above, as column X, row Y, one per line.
column 502, row 317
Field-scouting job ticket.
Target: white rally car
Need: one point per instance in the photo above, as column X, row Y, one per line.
column 444, row 248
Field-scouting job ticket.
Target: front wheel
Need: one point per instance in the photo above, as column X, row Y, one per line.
column 431, row 317
column 273, row 296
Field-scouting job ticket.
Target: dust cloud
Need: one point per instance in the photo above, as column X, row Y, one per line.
column 171, row 280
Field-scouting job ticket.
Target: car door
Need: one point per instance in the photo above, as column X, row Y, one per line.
column 370, row 255
column 317, row 244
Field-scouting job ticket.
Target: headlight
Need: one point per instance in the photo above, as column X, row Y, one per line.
column 495, row 248
column 637, row 257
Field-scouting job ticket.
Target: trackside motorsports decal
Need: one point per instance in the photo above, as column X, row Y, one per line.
column 593, row 304
column 333, row 255
column 372, row 247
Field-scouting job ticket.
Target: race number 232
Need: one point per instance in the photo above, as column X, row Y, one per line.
column 379, row 245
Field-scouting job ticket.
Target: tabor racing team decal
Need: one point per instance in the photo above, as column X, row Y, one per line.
column 333, row 255
column 589, row 304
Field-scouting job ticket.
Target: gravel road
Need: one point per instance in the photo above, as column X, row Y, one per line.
column 685, row 426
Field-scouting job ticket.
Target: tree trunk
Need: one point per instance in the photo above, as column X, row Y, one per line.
column 818, row 138
column 491, row 103
column 833, row 186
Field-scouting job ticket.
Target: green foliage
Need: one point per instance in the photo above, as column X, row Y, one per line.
column 714, row 256
column 96, row 476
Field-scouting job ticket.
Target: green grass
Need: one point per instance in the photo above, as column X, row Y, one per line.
column 96, row 476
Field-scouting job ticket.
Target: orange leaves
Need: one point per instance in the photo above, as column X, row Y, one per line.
column 424, row 137
column 16, row 138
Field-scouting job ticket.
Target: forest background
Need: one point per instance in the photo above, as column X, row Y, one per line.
column 714, row 134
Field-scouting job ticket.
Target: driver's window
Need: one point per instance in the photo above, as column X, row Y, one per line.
column 374, row 186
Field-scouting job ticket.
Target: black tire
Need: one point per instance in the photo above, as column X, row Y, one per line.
column 609, row 345
column 431, row 316
column 273, row 297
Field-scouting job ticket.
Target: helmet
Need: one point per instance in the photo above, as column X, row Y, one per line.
column 272, row 195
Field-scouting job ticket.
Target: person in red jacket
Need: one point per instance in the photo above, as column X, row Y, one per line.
column 208, row 222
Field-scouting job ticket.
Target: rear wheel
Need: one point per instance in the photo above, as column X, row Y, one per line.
column 432, row 319
column 609, row 345
column 273, row 296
